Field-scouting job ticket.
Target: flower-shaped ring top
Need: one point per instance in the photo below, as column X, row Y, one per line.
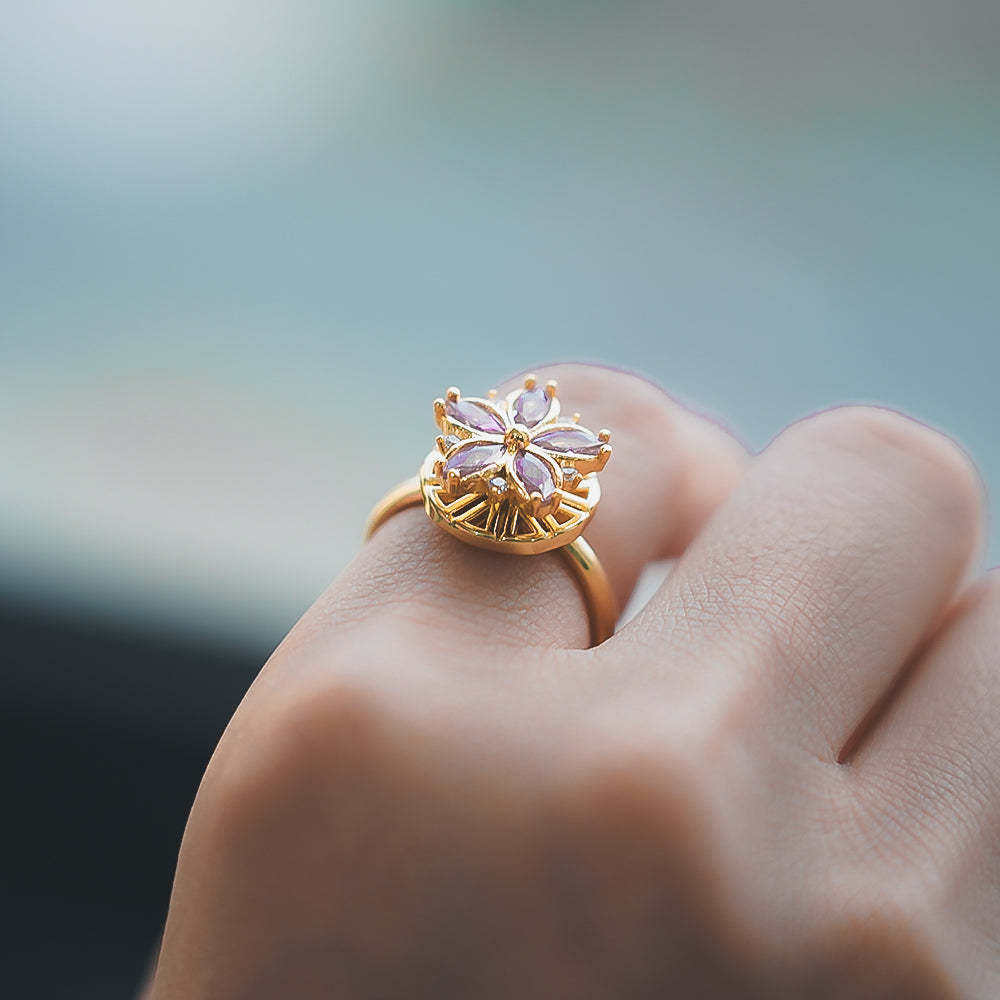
column 511, row 475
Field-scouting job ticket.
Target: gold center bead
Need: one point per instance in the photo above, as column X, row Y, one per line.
column 516, row 439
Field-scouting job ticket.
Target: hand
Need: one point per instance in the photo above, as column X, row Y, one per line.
column 781, row 779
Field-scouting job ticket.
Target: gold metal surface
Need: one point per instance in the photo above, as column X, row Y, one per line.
column 507, row 525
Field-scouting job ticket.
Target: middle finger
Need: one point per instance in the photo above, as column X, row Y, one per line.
column 807, row 593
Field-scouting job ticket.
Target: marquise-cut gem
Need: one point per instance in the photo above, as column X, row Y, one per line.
column 535, row 475
column 473, row 458
column 574, row 440
column 475, row 415
column 531, row 406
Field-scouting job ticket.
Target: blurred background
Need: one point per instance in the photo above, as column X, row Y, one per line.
column 235, row 234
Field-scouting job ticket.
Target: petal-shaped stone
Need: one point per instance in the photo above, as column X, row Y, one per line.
column 473, row 457
column 474, row 415
column 535, row 474
column 531, row 406
column 569, row 440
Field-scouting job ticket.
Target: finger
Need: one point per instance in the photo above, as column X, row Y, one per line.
column 669, row 469
column 928, row 777
column 817, row 580
column 933, row 759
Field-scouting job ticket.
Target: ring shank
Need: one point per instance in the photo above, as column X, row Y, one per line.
column 595, row 588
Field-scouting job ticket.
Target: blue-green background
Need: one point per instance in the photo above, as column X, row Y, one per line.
column 243, row 245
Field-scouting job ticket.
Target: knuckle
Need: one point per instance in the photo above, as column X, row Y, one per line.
column 624, row 399
column 869, row 428
column 662, row 785
column 294, row 792
column 295, row 751
column 637, row 789
column 899, row 444
column 372, row 727
column 634, row 840
column 863, row 905
column 595, row 380
column 883, row 935
column 851, row 930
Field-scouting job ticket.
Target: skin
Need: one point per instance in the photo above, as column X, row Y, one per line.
column 781, row 779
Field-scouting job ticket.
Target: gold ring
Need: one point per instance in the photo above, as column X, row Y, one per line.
column 512, row 476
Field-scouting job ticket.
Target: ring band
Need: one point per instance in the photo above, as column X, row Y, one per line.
column 592, row 581
column 512, row 476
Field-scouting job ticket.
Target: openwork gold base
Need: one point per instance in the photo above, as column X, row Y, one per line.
column 503, row 523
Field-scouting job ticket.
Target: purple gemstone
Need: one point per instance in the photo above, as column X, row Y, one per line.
column 535, row 474
column 471, row 458
column 476, row 416
column 573, row 440
column 531, row 407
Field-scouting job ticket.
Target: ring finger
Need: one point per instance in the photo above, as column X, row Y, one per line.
column 668, row 472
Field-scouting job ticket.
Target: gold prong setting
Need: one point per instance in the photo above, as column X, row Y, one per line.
column 509, row 473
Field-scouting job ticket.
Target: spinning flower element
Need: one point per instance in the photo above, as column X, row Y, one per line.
column 512, row 474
